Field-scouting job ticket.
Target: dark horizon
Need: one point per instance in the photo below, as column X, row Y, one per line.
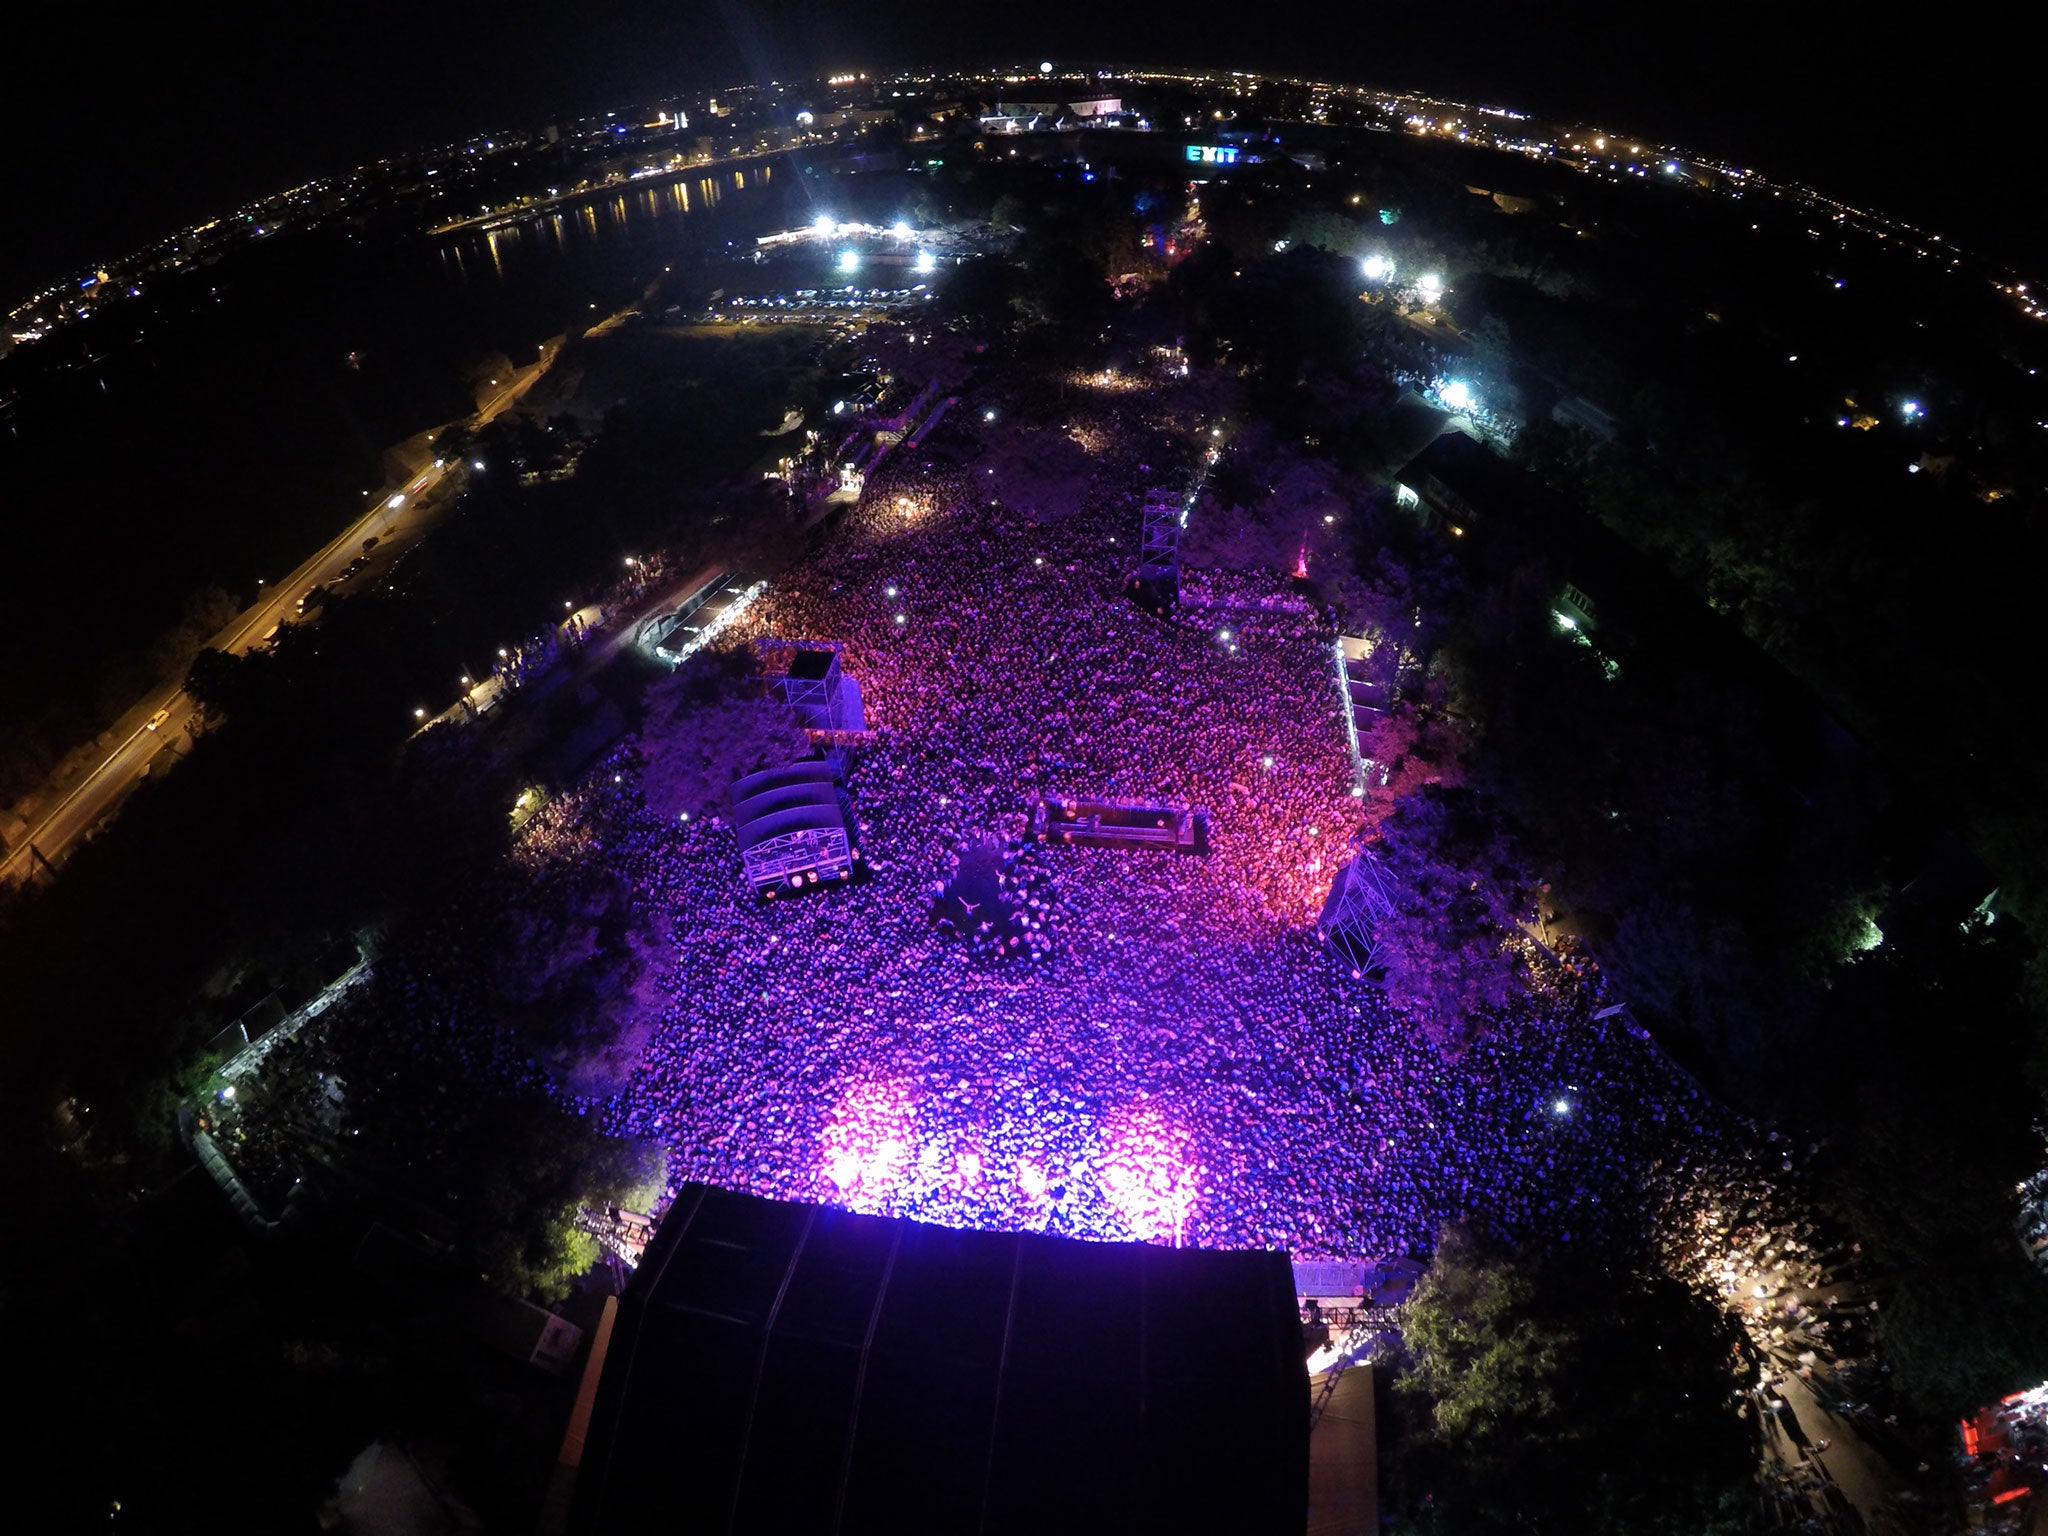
column 160, row 124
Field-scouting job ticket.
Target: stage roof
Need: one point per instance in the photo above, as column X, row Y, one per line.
column 797, row 797
column 796, row 1368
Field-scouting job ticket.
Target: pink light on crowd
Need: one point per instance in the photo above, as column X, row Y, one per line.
column 869, row 1143
column 1031, row 1180
column 1148, row 1175
column 968, row 1167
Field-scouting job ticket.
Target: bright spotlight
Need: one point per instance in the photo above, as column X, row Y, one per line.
column 1378, row 268
column 824, row 225
column 1911, row 409
column 1457, row 396
column 1431, row 288
column 900, row 230
column 849, row 261
column 926, row 261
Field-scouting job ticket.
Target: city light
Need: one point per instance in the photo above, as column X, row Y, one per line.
column 926, row 261
column 849, row 261
column 823, row 225
column 1431, row 287
column 1377, row 268
column 1457, row 396
column 900, row 230
column 1911, row 410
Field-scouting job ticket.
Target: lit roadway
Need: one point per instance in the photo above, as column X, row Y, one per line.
column 102, row 790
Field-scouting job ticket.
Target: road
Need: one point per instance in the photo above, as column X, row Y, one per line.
column 101, row 791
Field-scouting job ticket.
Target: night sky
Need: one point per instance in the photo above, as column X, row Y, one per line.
column 129, row 127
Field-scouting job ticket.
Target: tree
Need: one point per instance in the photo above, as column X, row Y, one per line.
column 1410, row 747
column 695, row 747
column 220, row 681
column 1930, row 1134
column 1486, row 1365
column 1460, row 888
column 1561, row 1397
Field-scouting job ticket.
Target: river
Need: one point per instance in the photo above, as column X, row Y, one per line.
column 215, row 430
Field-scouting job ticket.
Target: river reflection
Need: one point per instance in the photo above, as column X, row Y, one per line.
column 622, row 222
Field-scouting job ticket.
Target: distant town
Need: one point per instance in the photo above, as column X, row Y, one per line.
column 518, row 173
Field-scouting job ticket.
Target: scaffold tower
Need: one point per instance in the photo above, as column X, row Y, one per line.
column 1360, row 897
column 807, row 676
column 1164, row 517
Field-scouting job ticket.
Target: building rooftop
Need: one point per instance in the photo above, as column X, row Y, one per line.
column 798, row 1368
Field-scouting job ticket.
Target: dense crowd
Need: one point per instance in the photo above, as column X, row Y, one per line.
column 1187, row 1061
column 1172, row 1053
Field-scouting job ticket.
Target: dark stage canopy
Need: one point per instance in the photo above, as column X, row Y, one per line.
column 795, row 1368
